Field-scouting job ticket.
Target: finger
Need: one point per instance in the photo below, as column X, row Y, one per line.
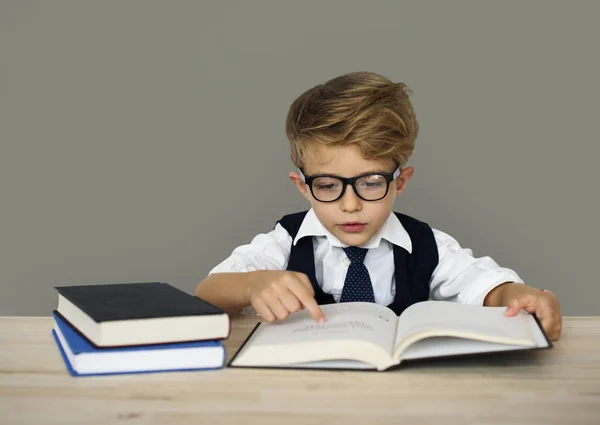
column 552, row 325
column 550, row 328
column 272, row 300
column 288, row 299
column 263, row 310
column 305, row 281
column 308, row 301
column 550, row 319
column 557, row 330
column 511, row 311
column 525, row 302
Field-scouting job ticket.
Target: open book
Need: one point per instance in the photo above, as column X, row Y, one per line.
column 370, row 336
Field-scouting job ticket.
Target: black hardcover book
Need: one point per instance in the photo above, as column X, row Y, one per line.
column 140, row 313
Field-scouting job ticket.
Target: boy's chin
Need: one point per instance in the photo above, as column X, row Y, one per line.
column 354, row 239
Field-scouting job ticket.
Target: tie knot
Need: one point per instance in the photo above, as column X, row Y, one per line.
column 356, row 254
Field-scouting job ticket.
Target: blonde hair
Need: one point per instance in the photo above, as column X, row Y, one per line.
column 361, row 108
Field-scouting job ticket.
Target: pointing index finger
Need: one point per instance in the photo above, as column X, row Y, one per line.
column 314, row 309
column 308, row 301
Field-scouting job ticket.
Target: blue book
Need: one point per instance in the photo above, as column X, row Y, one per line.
column 83, row 358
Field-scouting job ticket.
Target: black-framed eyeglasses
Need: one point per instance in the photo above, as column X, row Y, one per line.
column 368, row 187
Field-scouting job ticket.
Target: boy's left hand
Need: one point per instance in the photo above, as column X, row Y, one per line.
column 544, row 304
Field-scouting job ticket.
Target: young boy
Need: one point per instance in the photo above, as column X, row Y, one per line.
column 350, row 140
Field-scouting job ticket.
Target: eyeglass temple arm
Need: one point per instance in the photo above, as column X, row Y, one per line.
column 302, row 176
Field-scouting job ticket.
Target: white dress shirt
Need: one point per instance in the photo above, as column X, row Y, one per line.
column 458, row 277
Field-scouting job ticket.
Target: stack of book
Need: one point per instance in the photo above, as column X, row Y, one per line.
column 137, row 328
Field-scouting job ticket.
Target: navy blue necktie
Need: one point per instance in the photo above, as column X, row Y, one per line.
column 357, row 286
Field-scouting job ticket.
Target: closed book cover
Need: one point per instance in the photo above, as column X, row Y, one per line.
column 83, row 358
column 126, row 314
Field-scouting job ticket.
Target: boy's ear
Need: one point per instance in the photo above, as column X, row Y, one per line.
column 297, row 180
column 403, row 178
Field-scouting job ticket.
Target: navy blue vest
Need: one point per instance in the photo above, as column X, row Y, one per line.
column 412, row 271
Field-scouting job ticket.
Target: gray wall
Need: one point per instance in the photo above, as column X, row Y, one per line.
column 145, row 140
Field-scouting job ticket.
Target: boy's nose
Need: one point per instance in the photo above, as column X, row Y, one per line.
column 350, row 202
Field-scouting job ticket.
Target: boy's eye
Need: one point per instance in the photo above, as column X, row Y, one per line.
column 329, row 186
column 372, row 182
column 326, row 184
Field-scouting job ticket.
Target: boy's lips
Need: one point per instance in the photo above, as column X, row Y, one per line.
column 352, row 227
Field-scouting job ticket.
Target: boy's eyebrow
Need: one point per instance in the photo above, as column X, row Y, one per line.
column 374, row 171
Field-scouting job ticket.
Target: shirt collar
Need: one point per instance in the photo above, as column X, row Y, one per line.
column 392, row 231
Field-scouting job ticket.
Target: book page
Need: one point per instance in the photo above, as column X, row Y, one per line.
column 442, row 318
column 331, row 364
column 451, row 346
column 357, row 321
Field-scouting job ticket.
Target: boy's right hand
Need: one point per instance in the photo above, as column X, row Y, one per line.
column 276, row 294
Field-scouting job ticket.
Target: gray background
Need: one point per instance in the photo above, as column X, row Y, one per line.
column 143, row 141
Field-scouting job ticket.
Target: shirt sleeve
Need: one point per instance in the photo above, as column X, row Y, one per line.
column 463, row 278
column 266, row 251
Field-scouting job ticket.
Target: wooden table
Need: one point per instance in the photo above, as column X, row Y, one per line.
column 556, row 386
